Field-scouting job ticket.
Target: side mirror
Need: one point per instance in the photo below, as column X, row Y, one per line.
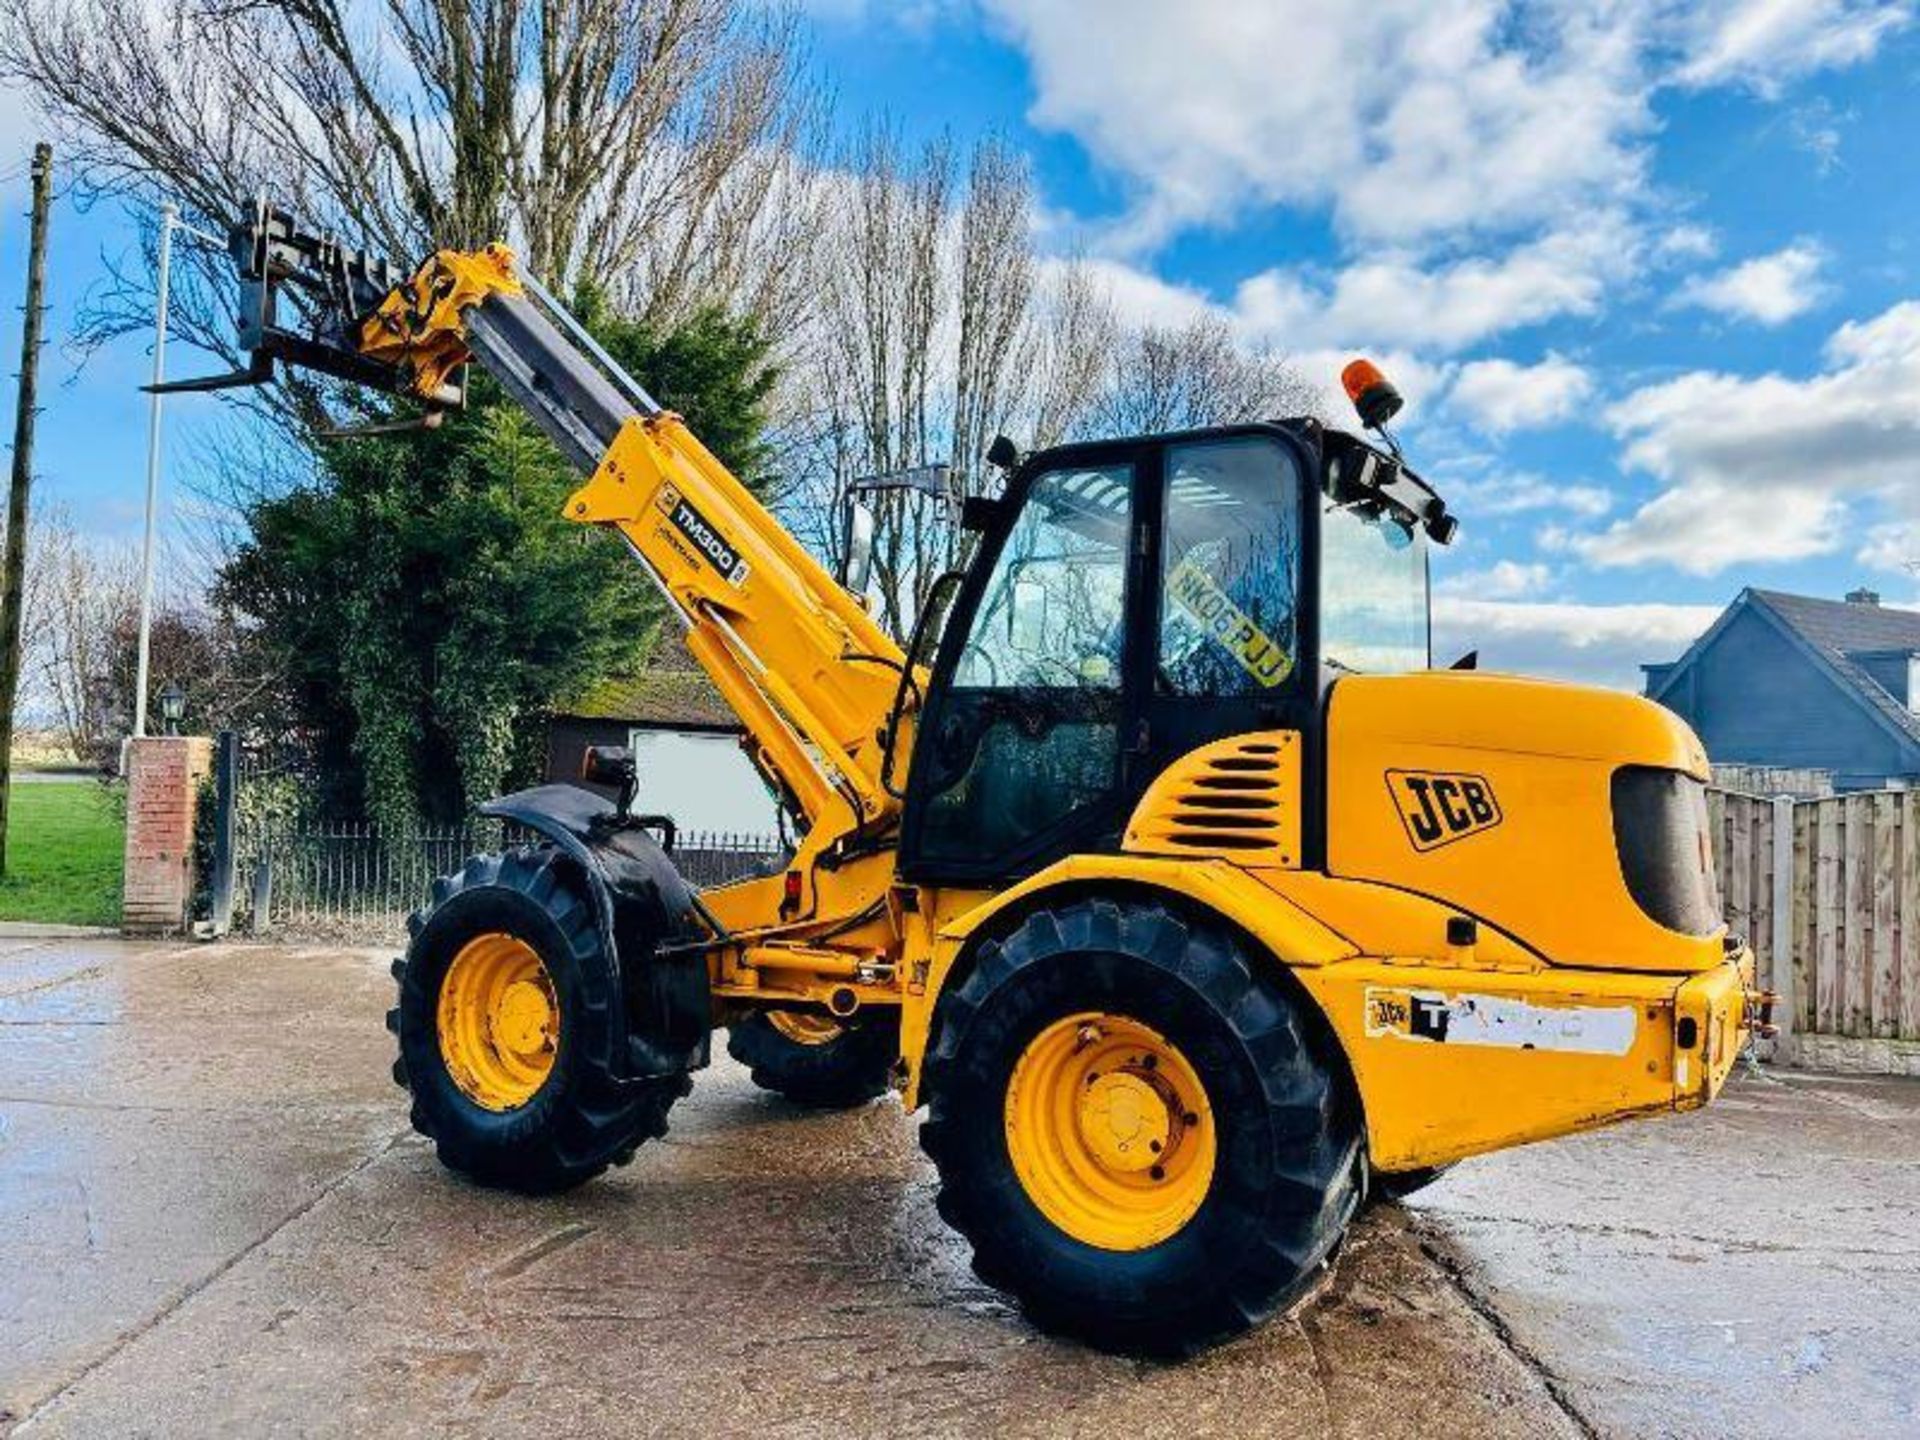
column 606, row 764
column 612, row 765
column 858, row 569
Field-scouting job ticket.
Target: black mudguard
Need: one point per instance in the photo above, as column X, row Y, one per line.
column 646, row 912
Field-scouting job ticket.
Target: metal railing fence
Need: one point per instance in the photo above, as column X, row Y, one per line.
column 328, row 877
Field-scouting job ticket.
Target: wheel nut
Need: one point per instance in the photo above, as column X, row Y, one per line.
column 1158, row 1172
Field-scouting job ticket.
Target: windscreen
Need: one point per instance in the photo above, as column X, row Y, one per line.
column 1373, row 593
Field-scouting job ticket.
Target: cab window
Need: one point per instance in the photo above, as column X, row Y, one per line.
column 1230, row 568
column 1025, row 743
column 1052, row 613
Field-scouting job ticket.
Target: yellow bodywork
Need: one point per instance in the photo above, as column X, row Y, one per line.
column 1448, row 798
column 420, row 327
column 1565, row 1011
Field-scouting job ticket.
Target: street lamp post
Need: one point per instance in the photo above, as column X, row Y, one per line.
column 170, row 221
column 169, row 213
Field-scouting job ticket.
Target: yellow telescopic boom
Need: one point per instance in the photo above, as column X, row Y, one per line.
column 800, row 661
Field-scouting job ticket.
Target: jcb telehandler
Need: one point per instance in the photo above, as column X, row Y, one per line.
column 1190, row 902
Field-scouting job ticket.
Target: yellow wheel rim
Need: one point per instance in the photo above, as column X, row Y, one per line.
column 1110, row 1131
column 803, row 1028
column 499, row 1022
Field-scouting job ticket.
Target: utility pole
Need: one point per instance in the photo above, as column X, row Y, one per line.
column 16, row 556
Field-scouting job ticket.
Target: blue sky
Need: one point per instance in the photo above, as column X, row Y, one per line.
column 1649, row 271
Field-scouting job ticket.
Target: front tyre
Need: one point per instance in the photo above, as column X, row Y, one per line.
column 508, row 1021
column 1148, row 1142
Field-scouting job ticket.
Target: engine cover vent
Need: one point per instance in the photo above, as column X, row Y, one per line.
column 1235, row 799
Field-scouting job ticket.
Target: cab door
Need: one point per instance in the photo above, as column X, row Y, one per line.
column 1234, row 531
column 1020, row 748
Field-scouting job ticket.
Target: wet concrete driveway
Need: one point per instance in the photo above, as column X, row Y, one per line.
column 214, row 1220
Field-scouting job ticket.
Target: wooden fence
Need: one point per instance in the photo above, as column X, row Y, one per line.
column 1844, row 918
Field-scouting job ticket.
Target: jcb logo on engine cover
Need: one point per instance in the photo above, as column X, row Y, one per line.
column 1439, row 808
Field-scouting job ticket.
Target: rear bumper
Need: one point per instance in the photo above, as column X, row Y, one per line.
column 1458, row 1061
column 1711, row 1029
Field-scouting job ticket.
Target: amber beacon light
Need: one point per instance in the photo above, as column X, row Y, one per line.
column 1372, row 394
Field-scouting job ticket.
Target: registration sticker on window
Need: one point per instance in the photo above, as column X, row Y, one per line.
column 1227, row 625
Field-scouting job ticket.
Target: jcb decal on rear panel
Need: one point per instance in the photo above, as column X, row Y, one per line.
column 1499, row 1022
column 698, row 539
column 1438, row 808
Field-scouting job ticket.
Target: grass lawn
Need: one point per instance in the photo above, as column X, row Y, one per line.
column 63, row 854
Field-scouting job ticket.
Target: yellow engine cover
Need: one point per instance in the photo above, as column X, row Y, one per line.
column 1236, row 799
column 1494, row 795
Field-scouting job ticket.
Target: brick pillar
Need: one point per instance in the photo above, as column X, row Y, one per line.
column 163, row 782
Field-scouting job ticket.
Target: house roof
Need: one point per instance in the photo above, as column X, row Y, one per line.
column 1839, row 629
column 666, row 689
column 1829, row 632
column 1844, row 627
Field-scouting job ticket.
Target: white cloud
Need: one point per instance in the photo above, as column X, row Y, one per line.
column 1446, row 305
column 1688, row 242
column 1762, row 43
column 1502, row 580
column 1395, row 302
column 1768, row 289
column 1140, row 297
column 1499, row 396
column 1407, row 118
column 1598, row 644
column 1703, row 528
column 1314, row 345
column 1892, row 546
column 1765, row 467
column 1522, row 492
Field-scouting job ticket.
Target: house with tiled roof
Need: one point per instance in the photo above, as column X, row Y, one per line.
column 685, row 741
column 1793, row 682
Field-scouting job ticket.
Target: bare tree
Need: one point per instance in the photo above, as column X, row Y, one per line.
column 874, row 363
column 1181, row 378
column 941, row 327
column 631, row 145
column 83, row 595
column 997, row 340
column 1077, row 338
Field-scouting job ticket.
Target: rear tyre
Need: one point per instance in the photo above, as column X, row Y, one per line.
column 816, row 1060
column 508, row 1021
column 1398, row 1184
column 1150, row 1144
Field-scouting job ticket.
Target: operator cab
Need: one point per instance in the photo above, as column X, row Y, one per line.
column 1133, row 599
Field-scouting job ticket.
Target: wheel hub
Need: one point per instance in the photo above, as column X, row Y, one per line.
column 1125, row 1121
column 803, row 1027
column 498, row 1021
column 1110, row 1132
column 523, row 1018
